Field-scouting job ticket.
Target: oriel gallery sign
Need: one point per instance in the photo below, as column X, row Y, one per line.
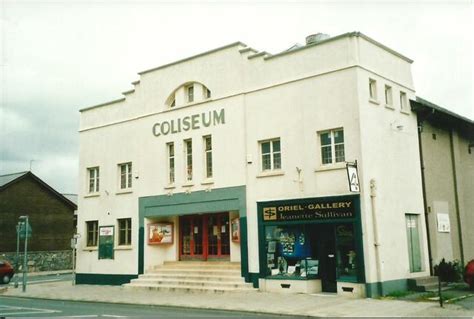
column 189, row 122
column 309, row 209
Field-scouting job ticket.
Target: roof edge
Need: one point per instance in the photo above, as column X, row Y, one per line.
column 443, row 110
column 102, row 104
column 42, row 183
column 337, row 37
column 193, row 57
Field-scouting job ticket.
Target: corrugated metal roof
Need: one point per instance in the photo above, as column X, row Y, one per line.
column 5, row 179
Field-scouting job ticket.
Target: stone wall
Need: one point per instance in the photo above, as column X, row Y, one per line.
column 43, row 260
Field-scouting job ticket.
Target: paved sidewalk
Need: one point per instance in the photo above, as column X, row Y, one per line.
column 260, row 302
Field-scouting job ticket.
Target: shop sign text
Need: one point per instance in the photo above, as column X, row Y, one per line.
column 310, row 211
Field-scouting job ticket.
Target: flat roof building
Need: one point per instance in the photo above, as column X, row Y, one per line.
column 447, row 157
column 239, row 156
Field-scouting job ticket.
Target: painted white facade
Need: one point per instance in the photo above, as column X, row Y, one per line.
column 291, row 96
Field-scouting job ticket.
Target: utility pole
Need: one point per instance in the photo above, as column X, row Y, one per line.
column 17, row 259
column 25, row 257
column 74, row 246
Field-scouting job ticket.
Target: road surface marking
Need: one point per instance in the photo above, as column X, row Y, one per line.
column 24, row 311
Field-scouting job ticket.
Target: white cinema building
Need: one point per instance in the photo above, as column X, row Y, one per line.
column 236, row 155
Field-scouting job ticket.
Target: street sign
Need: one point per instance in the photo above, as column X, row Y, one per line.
column 21, row 230
column 353, row 176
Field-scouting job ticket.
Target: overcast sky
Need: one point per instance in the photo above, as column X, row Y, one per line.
column 60, row 56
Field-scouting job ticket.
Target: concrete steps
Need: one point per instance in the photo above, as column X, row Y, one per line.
column 190, row 276
column 422, row 284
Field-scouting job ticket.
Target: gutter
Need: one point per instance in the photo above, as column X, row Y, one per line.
column 423, row 186
column 456, row 195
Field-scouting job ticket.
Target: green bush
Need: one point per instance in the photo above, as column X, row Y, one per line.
column 451, row 271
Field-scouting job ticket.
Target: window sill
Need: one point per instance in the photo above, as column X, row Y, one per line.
column 94, row 248
column 271, row 173
column 188, row 184
column 390, row 107
column 374, row 101
column 92, row 195
column 404, row 112
column 209, row 181
column 125, row 191
column 331, row 167
column 170, row 186
column 125, row 247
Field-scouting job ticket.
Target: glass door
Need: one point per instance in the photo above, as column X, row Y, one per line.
column 192, row 238
column 218, row 238
column 204, row 237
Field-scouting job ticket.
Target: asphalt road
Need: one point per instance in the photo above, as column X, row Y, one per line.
column 25, row 307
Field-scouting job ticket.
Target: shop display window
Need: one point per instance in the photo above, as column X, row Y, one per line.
column 346, row 251
column 301, row 251
column 290, row 252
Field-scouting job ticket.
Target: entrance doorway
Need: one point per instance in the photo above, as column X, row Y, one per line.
column 204, row 237
column 328, row 259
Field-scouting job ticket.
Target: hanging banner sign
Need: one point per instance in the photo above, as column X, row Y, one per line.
column 353, row 177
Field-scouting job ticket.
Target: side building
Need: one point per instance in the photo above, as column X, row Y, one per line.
column 239, row 155
column 447, row 151
column 51, row 216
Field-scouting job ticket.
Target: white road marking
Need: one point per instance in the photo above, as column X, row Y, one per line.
column 113, row 316
column 25, row 311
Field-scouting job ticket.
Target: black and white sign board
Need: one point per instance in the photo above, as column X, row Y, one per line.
column 353, row 177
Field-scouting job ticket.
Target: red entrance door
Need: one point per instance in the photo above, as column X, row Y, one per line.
column 204, row 237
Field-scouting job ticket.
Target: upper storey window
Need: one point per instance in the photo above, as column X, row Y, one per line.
column 188, row 93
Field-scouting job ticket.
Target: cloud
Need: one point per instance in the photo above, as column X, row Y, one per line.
column 61, row 56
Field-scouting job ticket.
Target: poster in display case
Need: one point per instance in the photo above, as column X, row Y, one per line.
column 235, row 227
column 160, row 233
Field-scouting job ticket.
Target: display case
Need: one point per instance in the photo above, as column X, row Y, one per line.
column 290, row 253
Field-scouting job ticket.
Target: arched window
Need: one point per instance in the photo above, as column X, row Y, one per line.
column 188, row 93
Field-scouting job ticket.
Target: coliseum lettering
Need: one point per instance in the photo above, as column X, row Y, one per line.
column 190, row 122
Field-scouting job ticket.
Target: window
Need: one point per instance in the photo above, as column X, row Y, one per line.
column 413, row 239
column 188, row 155
column 373, row 89
column 190, row 93
column 208, row 155
column 332, row 146
column 271, row 155
column 125, row 231
column 388, row 95
column 403, row 102
column 93, row 175
column 207, row 93
column 92, row 232
column 173, row 104
column 171, row 176
column 125, row 175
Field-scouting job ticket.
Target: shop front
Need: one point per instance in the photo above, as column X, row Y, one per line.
column 311, row 244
